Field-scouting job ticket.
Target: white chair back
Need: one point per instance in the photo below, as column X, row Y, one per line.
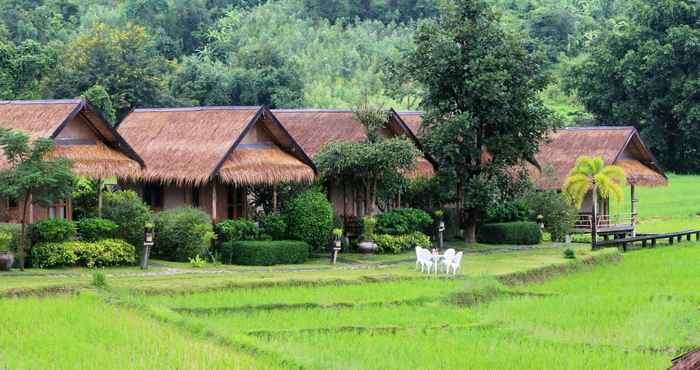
column 457, row 259
column 449, row 254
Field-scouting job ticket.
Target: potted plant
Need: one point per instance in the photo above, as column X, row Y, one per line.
column 338, row 236
column 7, row 258
column 367, row 245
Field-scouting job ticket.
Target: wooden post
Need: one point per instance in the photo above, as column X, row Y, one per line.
column 634, row 211
column 594, row 218
column 69, row 209
column 213, row 201
column 99, row 197
column 31, row 210
column 274, row 199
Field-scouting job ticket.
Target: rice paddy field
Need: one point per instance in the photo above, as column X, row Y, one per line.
column 529, row 309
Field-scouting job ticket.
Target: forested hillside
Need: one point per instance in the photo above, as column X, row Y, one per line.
column 339, row 53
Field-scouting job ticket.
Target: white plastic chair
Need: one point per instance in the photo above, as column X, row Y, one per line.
column 455, row 263
column 447, row 258
column 418, row 249
column 425, row 259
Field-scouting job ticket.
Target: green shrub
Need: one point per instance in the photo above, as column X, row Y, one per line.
column 16, row 232
column 369, row 225
column 92, row 229
column 99, row 279
column 510, row 211
column 397, row 244
column 52, row 231
column 569, row 253
column 404, row 221
column 182, row 233
column 309, row 218
column 265, row 253
column 198, row 262
column 240, row 229
column 558, row 214
column 126, row 209
column 53, row 255
column 522, row 233
column 5, row 241
column 108, row 252
column 273, row 225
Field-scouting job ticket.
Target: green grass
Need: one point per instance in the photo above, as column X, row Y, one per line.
column 84, row 333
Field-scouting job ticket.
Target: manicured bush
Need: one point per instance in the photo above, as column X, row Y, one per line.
column 265, row 253
column 92, row 229
column 273, row 225
column 397, row 244
column 569, row 253
column 522, row 233
column 404, row 221
column 240, row 229
column 108, row 252
column 126, row 209
column 182, row 233
column 52, row 231
column 511, row 211
column 309, row 218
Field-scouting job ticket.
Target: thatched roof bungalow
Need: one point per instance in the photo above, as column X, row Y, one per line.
column 80, row 134
column 315, row 128
column 208, row 156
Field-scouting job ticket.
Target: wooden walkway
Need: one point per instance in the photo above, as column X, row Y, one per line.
column 646, row 239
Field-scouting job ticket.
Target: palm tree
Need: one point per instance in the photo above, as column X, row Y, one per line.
column 590, row 174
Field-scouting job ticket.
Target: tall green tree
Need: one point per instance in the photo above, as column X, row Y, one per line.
column 123, row 61
column 481, row 93
column 32, row 176
column 645, row 72
column 374, row 164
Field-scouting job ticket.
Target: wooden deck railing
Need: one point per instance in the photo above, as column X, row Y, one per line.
column 585, row 221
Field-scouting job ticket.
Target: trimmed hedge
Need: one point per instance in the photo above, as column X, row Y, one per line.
column 265, row 253
column 52, row 231
column 108, row 252
column 522, row 233
column 93, row 229
column 182, row 233
column 403, row 221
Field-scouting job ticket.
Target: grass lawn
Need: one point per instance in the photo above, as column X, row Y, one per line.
column 524, row 309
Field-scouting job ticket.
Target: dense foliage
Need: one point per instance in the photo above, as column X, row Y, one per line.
column 240, row 229
column 108, row 252
column 265, row 253
column 310, row 218
column 403, row 221
column 126, row 209
column 644, row 72
column 399, row 243
column 481, row 87
column 273, row 225
column 93, row 229
column 514, row 233
column 52, row 231
column 14, row 230
column 182, row 233
column 554, row 210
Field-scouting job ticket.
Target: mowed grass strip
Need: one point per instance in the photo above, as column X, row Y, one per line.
column 81, row 332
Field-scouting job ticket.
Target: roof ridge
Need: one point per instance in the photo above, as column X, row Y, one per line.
column 196, row 109
column 42, row 101
column 313, row 110
column 597, row 128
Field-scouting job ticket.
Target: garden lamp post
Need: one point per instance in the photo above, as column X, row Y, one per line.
column 148, row 236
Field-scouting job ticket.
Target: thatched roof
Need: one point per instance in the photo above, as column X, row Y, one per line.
column 195, row 145
column 315, row 128
column 621, row 146
column 412, row 120
column 687, row 361
column 107, row 156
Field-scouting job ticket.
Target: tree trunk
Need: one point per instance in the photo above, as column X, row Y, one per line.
column 22, row 247
column 99, row 198
column 470, row 226
column 594, row 219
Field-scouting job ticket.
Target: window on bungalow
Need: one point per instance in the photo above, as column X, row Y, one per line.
column 195, row 197
column 12, row 203
column 235, row 202
column 153, row 195
column 57, row 211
